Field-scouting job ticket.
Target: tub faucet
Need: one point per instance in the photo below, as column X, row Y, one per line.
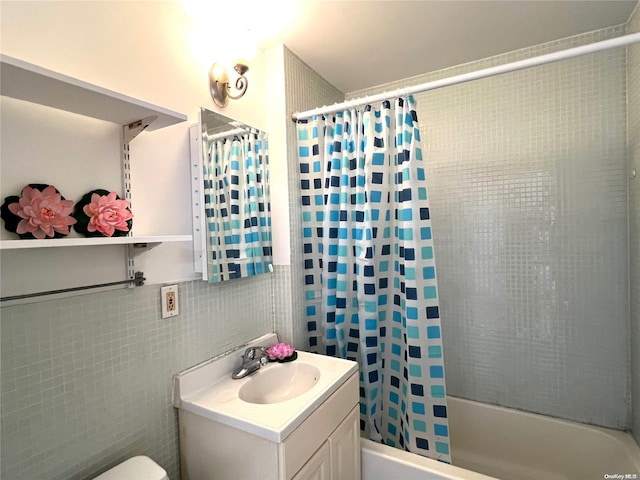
column 252, row 360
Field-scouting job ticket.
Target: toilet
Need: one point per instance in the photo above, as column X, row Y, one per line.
column 136, row 468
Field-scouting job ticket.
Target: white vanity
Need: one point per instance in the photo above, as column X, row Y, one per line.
column 288, row 421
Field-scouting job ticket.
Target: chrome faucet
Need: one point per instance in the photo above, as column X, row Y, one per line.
column 252, row 360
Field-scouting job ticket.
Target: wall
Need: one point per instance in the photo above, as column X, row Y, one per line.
column 304, row 89
column 144, row 50
column 633, row 129
column 528, row 189
column 85, row 381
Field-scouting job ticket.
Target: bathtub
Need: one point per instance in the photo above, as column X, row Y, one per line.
column 489, row 442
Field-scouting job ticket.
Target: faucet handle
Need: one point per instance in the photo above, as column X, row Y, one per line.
column 250, row 353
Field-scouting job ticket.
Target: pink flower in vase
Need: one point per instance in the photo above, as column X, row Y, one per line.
column 107, row 214
column 43, row 213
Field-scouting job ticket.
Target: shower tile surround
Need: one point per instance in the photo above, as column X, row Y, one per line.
column 527, row 176
column 633, row 132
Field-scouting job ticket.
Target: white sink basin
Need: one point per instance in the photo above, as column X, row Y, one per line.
column 278, row 382
column 270, row 402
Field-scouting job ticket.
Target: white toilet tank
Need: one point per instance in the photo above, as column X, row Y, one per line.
column 136, row 468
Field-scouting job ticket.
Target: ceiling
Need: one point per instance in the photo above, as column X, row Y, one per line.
column 360, row 44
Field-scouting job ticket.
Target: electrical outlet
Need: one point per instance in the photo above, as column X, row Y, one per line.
column 169, row 300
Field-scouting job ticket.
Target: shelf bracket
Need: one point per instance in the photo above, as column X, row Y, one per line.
column 137, row 248
column 132, row 130
column 129, row 132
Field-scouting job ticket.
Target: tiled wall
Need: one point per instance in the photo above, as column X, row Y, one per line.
column 528, row 189
column 86, row 381
column 633, row 102
column 304, row 89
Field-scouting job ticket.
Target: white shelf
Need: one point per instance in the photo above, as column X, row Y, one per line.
column 90, row 241
column 25, row 81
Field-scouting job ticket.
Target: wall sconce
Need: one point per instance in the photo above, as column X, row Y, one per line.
column 220, row 87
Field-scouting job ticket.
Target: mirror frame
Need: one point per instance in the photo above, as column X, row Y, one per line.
column 209, row 123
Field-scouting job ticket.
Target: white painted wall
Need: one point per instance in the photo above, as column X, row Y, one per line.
column 152, row 51
column 277, row 118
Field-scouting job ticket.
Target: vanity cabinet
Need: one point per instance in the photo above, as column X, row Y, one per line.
column 318, row 467
column 325, row 446
column 339, row 457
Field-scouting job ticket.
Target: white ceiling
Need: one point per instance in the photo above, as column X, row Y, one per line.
column 360, row 44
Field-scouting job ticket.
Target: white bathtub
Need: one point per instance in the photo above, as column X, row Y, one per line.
column 510, row 444
column 380, row 462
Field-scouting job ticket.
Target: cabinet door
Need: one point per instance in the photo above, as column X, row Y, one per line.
column 344, row 445
column 318, row 467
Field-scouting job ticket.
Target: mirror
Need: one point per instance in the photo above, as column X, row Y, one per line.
column 231, row 201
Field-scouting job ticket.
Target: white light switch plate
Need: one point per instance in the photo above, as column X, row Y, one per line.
column 169, row 300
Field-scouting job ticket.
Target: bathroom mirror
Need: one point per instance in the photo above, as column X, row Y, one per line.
column 231, row 201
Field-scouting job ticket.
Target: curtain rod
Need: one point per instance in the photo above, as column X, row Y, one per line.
column 478, row 74
column 138, row 280
column 228, row 133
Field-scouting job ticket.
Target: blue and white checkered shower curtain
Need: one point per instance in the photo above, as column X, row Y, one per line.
column 237, row 206
column 370, row 279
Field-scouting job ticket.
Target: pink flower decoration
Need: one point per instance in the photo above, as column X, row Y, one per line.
column 43, row 213
column 280, row 351
column 107, row 214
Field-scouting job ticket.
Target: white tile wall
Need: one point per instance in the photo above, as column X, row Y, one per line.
column 633, row 85
column 528, row 189
column 86, row 381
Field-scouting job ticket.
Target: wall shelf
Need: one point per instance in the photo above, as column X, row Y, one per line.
column 25, row 81
column 31, row 83
column 90, row 241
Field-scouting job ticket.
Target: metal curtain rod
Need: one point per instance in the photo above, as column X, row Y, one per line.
column 138, row 280
column 478, row 74
column 228, row 133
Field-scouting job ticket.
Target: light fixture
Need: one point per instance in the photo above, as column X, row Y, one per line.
column 219, row 83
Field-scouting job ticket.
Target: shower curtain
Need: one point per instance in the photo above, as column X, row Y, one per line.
column 237, row 206
column 370, row 278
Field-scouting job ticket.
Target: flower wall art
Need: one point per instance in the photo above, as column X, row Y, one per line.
column 42, row 212
column 102, row 213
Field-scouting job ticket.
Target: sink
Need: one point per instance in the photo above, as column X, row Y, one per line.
column 271, row 402
column 278, row 382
